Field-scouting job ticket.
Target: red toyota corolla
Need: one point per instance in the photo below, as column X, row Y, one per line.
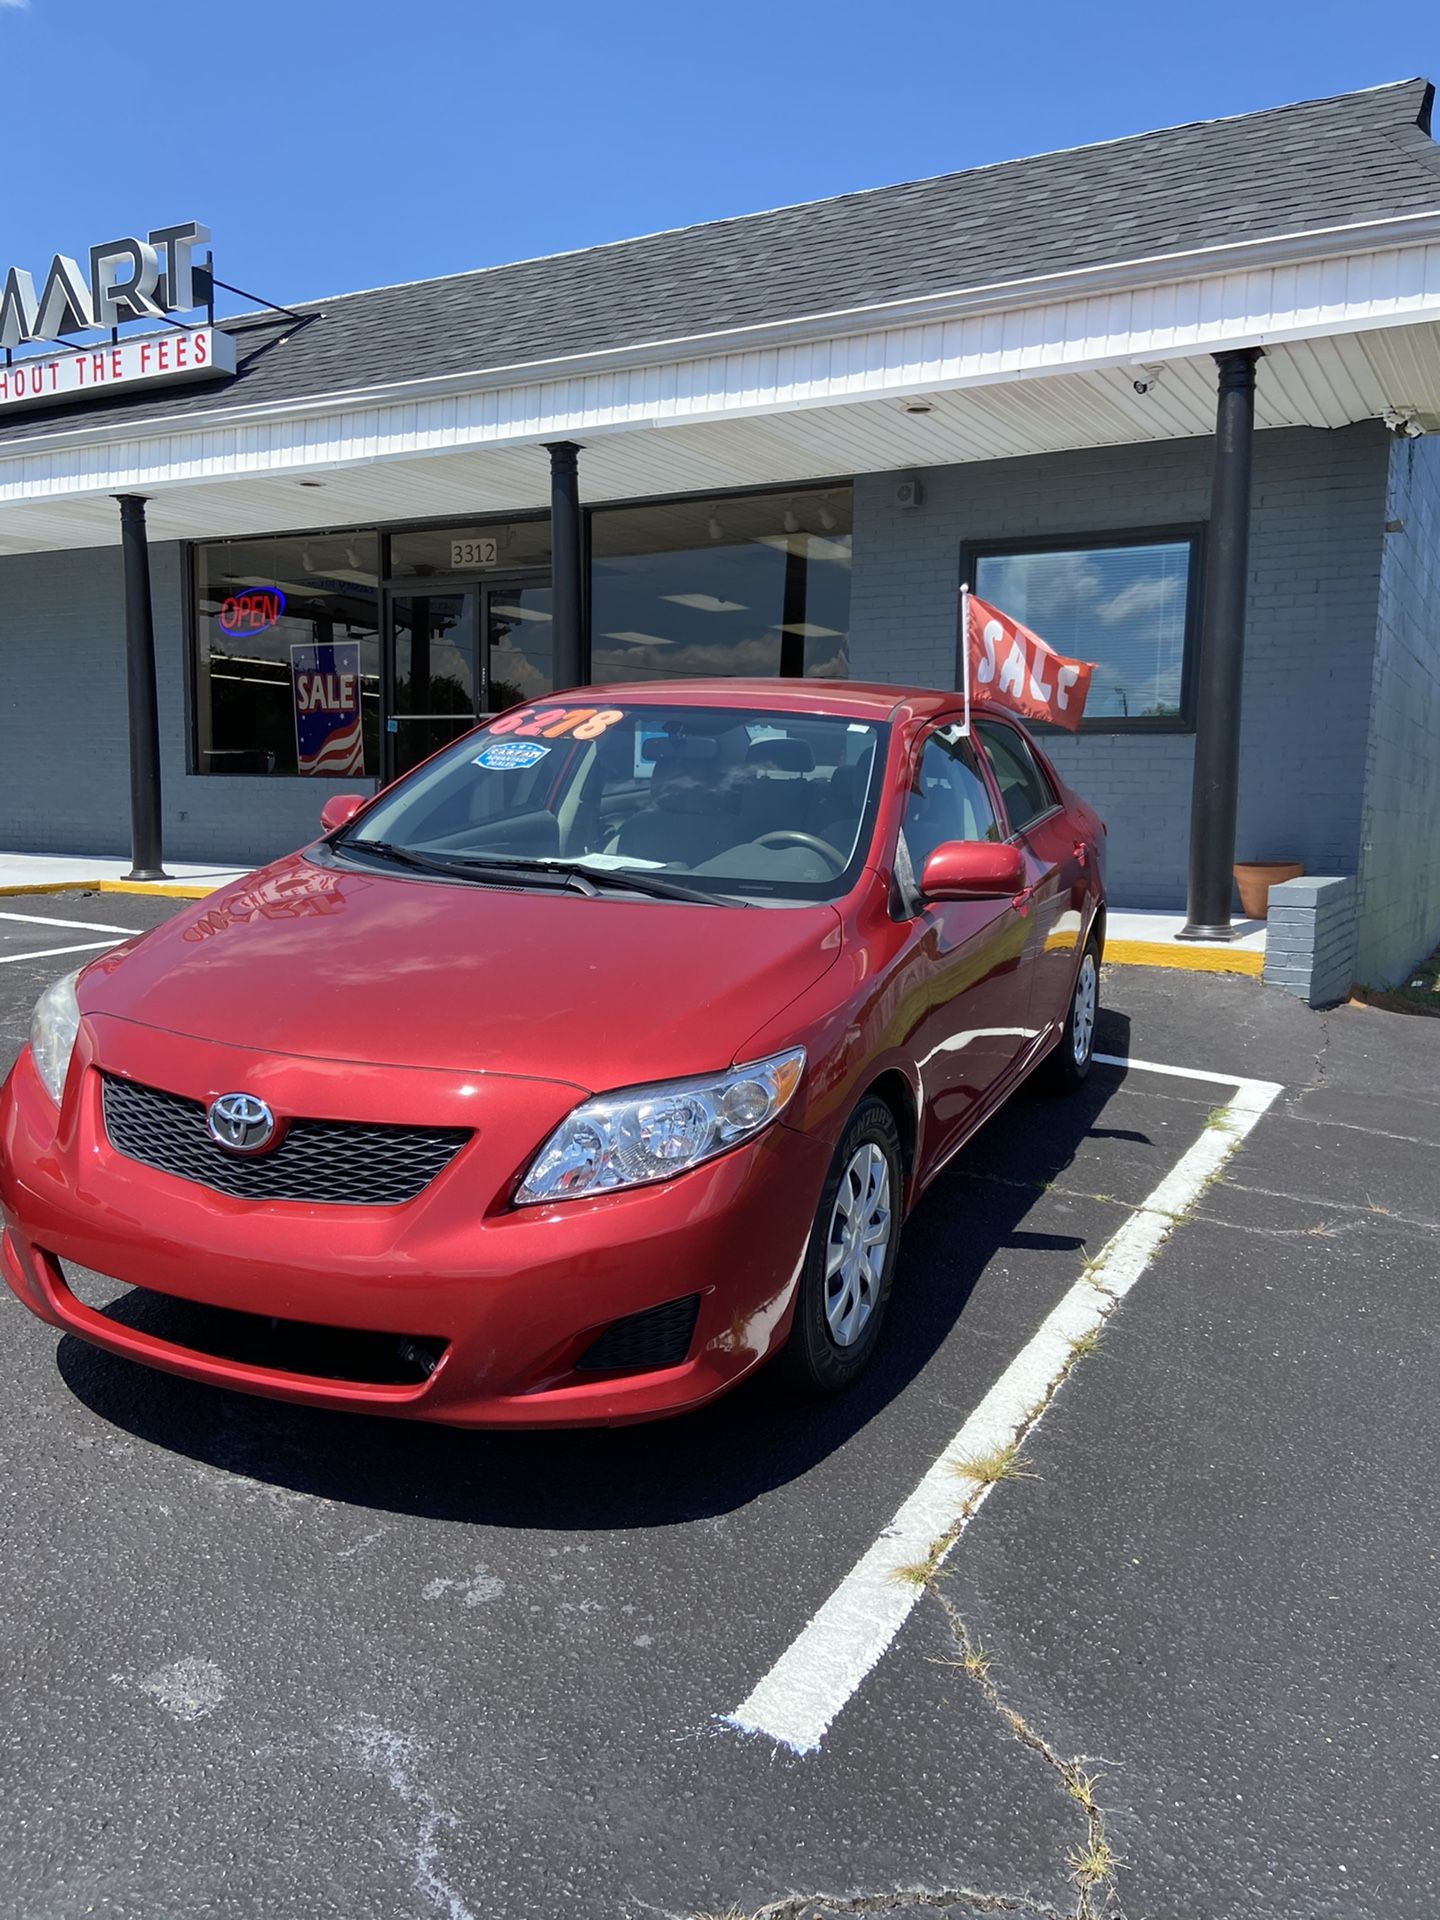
column 565, row 1081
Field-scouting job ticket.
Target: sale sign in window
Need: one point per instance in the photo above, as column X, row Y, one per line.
column 326, row 680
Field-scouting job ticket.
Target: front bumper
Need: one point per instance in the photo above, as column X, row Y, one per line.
column 514, row 1294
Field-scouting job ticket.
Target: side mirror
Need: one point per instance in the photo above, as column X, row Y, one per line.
column 339, row 808
column 973, row 870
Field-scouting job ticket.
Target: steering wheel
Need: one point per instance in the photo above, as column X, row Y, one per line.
column 793, row 837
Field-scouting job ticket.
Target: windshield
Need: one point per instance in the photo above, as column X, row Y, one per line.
column 735, row 802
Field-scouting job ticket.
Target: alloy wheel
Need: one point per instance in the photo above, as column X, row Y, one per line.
column 1082, row 1020
column 857, row 1244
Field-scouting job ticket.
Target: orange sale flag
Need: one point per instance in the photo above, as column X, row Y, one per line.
column 1015, row 668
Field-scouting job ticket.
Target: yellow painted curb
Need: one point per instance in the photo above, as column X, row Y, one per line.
column 1191, row 959
column 163, row 890
column 166, row 890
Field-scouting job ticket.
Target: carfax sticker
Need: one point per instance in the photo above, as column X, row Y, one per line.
column 505, row 756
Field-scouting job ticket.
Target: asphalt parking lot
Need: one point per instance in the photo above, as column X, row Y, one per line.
column 261, row 1659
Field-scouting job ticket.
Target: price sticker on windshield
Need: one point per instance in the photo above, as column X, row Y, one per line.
column 550, row 723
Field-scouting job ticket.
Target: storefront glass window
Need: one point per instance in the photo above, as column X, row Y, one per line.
column 747, row 584
column 1127, row 603
column 288, row 656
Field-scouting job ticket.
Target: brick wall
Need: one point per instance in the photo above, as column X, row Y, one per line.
column 1399, row 909
column 1315, row 561
column 65, row 783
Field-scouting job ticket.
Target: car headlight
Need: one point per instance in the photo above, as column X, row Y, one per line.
column 53, row 1027
column 652, row 1133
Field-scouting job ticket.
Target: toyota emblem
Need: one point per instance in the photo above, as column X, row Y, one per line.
column 240, row 1123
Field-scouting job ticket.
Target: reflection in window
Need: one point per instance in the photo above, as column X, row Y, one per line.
column 1126, row 605
column 521, row 636
column 750, row 584
column 265, row 704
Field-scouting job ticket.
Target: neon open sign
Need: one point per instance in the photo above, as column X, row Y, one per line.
column 251, row 611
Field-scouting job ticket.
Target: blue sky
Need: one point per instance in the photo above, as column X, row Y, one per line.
column 333, row 146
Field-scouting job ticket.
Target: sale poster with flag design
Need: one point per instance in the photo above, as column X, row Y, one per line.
column 326, row 682
column 1013, row 667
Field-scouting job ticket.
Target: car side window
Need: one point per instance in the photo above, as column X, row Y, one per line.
column 948, row 798
column 1018, row 774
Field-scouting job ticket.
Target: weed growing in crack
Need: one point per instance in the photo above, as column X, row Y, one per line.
column 919, row 1573
column 974, row 1660
column 1084, row 1346
column 997, row 1464
column 1218, row 1120
column 1092, row 1867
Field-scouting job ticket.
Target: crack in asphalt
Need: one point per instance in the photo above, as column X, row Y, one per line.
column 1367, row 1210
column 812, row 1906
column 1092, row 1868
column 1320, row 1053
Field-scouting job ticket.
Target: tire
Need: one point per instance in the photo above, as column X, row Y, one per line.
column 846, row 1281
column 1068, row 1066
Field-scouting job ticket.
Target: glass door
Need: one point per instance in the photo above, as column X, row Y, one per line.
column 460, row 652
column 436, row 685
column 519, row 643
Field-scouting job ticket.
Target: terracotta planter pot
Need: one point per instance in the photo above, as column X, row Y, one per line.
column 1254, row 879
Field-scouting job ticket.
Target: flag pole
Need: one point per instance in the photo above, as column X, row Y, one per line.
column 965, row 650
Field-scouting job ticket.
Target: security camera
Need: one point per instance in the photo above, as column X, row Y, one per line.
column 1404, row 421
column 1145, row 379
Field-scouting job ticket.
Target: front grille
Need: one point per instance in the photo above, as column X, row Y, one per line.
column 254, row 1340
column 332, row 1162
column 659, row 1337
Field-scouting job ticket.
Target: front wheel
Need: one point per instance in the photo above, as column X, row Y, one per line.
column 850, row 1262
column 1069, row 1062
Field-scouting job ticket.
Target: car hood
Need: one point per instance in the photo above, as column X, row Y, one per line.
column 336, row 964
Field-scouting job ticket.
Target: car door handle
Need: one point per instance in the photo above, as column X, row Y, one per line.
column 1021, row 901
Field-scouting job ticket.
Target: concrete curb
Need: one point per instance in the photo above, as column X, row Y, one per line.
column 1190, row 959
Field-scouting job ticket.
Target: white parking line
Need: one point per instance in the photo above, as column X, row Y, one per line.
column 817, row 1674
column 87, row 926
column 48, row 953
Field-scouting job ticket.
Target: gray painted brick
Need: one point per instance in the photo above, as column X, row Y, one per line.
column 66, row 786
column 1315, row 568
column 1399, row 883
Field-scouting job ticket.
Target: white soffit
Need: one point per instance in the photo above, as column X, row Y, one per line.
column 1326, row 382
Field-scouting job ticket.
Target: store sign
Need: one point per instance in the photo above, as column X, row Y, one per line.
column 125, row 280
column 128, row 280
column 250, row 612
column 198, row 353
column 326, row 681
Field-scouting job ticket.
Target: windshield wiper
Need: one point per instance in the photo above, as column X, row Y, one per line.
column 652, row 883
column 504, row 869
column 595, row 879
column 484, row 872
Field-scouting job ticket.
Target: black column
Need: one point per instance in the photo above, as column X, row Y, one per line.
column 567, row 565
column 1222, row 655
column 792, row 609
column 145, row 850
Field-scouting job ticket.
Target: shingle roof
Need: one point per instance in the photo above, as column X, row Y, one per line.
column 1317, row 164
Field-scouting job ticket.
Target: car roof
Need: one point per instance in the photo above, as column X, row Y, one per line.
column 848, row 699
